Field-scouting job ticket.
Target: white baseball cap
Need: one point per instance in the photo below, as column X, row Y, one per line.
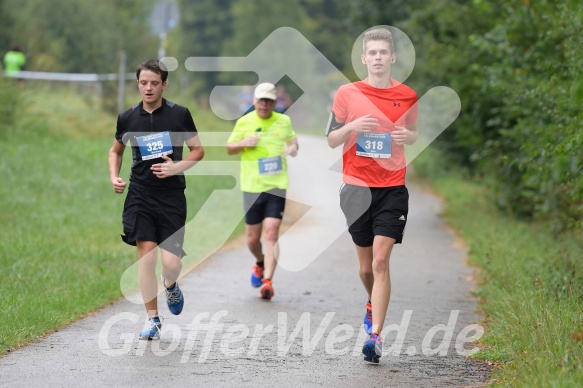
column 265, row 90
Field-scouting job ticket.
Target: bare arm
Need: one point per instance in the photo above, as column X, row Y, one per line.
column 292, row 147
column 114, row 161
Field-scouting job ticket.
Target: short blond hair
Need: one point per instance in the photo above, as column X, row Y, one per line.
column 378, row 34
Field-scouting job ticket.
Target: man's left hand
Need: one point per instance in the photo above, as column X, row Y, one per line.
column 291, row 149
column 402, row 135
column 164, row 170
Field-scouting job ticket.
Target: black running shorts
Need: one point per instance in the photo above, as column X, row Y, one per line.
column 155, row 215
column 376, row 211
column 259, row 206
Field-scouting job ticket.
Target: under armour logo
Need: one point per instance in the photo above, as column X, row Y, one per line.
column 396, row 104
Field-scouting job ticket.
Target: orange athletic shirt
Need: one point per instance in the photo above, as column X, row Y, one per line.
column 392, row 106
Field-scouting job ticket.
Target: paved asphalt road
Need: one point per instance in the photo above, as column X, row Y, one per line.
column 310, row 334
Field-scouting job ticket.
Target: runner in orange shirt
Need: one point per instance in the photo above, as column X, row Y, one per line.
column 373, row 119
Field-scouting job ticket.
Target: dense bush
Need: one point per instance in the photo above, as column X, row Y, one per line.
column 517, row 68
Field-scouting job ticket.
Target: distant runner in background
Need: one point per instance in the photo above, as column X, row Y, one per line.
column 14, row 61
column 283, row 100
column 246, row 100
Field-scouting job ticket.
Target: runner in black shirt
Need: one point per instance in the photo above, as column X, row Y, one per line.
column 155, row 207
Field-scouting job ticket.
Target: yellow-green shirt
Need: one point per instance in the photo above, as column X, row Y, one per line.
column 274, row 133
column 13, row 61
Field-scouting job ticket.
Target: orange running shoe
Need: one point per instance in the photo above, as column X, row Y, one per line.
column 267, row 289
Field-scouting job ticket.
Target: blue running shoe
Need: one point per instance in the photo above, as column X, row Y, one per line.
column 174, row 298
column 373, row 348
column 368, row 319
column 257, row 276
column 151, row 329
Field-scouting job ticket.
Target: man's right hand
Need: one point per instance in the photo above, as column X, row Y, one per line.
column 118, row 184
column 249, row 142
column 363, row 124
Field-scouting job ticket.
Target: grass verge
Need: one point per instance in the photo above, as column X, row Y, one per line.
column 530, row 284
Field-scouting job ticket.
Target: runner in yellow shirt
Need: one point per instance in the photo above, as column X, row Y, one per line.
column 263, row 138
column 14, row 61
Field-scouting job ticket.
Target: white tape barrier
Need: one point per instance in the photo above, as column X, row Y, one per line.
column 71, row 77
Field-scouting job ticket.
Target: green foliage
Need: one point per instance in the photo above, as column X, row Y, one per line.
column 6, row 26
column 82, row 37
column 545, row 139
column 228, row 28
column 379, row 12
column 204, row 27
column 86, row 37
column 329, row 27
column 517, row 69
column 246, row 39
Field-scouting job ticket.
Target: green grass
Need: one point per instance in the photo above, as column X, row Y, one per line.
column 530, row 285
column 61, row 255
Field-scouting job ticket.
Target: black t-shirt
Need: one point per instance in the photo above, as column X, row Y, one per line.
column 136, row 124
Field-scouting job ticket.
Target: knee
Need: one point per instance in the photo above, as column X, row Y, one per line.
column 148, row 259
column 271, row 235
column 365, row 270
column 380, row 265
column 173, row 266
column 253, row 240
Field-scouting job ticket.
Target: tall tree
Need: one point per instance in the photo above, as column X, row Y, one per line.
column 204, row 27
column 330, row 27
column 229, row 28
column 368, row 13
column 5, row 27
